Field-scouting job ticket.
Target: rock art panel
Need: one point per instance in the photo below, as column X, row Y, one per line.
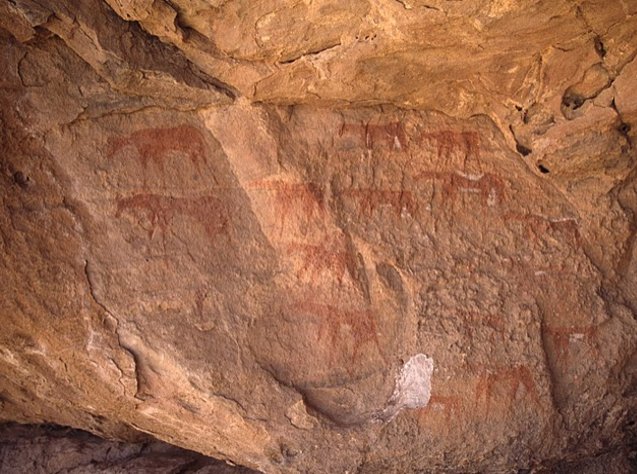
column 153, row 145
column 513, row 379
column 271, row 284
column 387, row 136
column 360, row 325
column 160, row 211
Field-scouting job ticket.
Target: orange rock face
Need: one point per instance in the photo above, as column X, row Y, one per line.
column 323, row 236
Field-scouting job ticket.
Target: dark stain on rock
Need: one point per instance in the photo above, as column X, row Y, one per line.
column 599, row 47
column 623, row 128
column 21, row 179
column 523, row 150
column 571, row 101
column 390, row 277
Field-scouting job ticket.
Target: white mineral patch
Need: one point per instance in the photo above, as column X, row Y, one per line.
column 470, row 176
column 413, row 386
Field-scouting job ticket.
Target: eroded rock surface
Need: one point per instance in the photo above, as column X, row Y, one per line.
column 323, row 236
column 48, row 449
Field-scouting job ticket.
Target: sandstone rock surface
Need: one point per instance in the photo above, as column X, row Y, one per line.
column 367, row 236
column 43, row 450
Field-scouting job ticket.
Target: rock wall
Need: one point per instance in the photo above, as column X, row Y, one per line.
column 47, row 449
column 323, row 237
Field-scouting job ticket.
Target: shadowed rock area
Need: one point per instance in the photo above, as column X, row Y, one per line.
column 53, row 449
column 50, row 449
column 324, row 236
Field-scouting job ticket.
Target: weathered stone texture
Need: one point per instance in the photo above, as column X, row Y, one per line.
column 323, row 236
